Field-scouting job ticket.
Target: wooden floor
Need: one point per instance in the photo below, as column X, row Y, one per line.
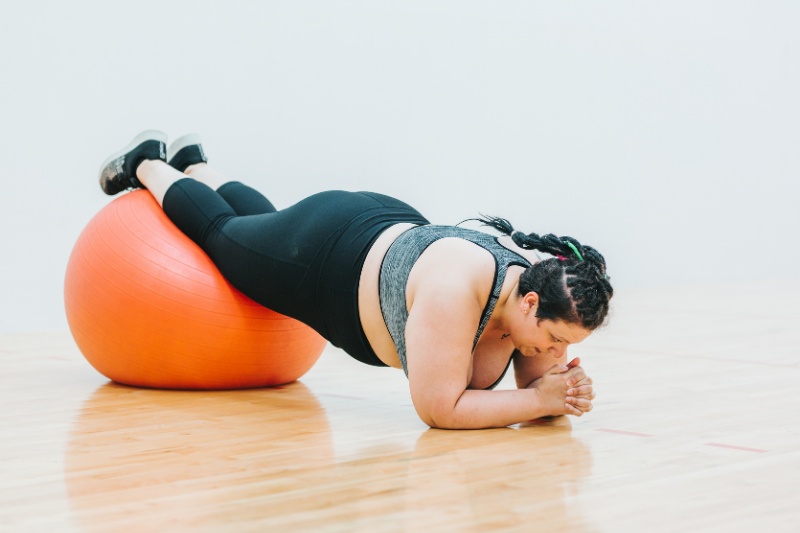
column 696, row 428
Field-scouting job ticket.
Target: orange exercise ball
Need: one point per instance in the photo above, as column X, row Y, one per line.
column 147, row 307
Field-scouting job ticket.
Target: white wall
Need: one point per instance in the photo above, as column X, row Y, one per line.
column 666, row 134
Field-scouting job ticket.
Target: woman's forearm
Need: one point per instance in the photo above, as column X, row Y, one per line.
column 477, row 409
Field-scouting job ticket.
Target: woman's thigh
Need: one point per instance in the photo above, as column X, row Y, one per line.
column 271, row 256
column 244, row 199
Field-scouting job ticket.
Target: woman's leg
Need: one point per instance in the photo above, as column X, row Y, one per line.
column 243, row 199
column 285, row 260
column 267, row 256
column 205, row 174
column 158, row 177
column 273, row 258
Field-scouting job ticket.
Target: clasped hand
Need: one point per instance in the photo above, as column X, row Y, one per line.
column 566, row 390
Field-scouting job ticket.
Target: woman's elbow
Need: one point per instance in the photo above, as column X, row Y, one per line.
column 438, row 410
column 441, row 417
column 439, row 423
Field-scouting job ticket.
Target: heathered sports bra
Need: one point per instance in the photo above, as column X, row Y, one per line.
column 400, row 259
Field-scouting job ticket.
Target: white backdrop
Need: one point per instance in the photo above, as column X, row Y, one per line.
column 665, row 134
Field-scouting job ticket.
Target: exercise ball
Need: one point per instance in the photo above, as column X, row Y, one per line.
column 147, row 307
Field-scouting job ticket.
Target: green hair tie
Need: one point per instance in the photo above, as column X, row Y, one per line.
column 580, row 257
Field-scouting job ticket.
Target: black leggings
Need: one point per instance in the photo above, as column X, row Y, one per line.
column 303, row 261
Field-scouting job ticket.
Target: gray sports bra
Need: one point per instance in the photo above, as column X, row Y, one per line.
column 400, row 259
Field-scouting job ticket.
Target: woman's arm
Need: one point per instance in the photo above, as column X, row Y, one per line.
column 477, row 409
column 439, row 335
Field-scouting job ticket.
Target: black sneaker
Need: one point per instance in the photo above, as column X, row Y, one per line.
column 186, row 151
column 118, row 172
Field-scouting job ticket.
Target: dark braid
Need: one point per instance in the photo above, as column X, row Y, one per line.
column 569, row 289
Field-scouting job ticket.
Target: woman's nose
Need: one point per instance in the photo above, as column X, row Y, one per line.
column 557, row 351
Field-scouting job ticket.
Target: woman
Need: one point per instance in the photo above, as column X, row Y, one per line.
column 452, row 307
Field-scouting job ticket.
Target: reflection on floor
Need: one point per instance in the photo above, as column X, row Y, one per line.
column 696, row 428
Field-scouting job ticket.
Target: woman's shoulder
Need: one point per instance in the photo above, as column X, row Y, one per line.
column 452, row 264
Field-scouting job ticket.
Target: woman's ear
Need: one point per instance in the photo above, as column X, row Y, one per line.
column 529, row 303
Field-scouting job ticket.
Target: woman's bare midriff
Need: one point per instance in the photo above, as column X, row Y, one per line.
column 369, row 301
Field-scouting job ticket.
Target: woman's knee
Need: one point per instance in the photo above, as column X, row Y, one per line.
column 196, row 209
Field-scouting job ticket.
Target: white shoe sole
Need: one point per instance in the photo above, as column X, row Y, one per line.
column 146, row 135
column 182, row 142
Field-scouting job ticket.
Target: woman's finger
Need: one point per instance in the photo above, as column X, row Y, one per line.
column 572, row 410
column 580, row 403
column 580, row 391
column 557, row 369
column 585, row 381
column 591, row 396
column 576, row 375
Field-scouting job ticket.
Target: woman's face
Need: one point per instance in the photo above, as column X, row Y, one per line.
column 533, row 336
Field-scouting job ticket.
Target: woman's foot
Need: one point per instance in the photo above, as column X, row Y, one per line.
column 118, row 172
column 186, row 151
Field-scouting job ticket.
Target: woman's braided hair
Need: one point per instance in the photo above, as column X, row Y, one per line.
column 572, row 288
